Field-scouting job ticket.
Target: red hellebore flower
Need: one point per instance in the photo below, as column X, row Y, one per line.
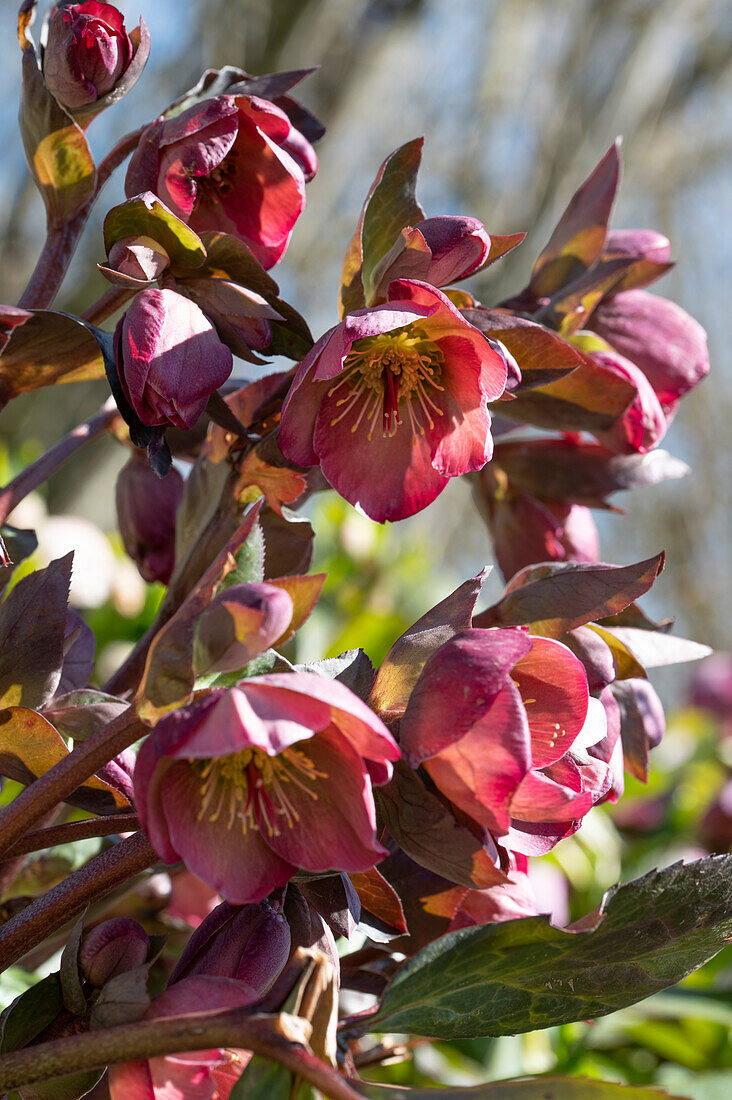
column 391, row 403
column 248, row 784
column 87, row 51
column 231, row 164
column 169, row 358
column 499, row 749
column 200, row 1075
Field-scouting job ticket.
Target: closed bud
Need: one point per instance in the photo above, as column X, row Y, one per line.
column 112, row 948
column 87, row 52
column 146, row 509
column 138, row 258
column 169, row 358
column 239, row 624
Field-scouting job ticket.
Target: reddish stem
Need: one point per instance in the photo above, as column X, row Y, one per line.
column 59, row 781
column 38, row 471
column 233, row 1028
column 73, row 830
column 61, row 904
column 109, row 302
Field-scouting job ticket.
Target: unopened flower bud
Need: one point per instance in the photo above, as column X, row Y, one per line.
column 146, row 509
column 139, row 258
column 112, row 948
column 169, row 358
column 87, row 52
column 239, row 624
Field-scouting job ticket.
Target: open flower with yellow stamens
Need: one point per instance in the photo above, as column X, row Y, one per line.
column 391, row 403
column 249, row 784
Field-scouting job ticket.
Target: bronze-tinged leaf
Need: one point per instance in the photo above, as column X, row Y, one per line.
column 626, row 664
column 499, row 979
column 429, row 901
column 146, row 216
column 580, row 234
column 573, row 305
column 49, row 348
column 30, row 746
column 655, row 648
column 426, row 830
column 590, row 399
column 32, row 630
column 229, row 258
column 56, row 149
column 288, row 543
column 379, row 898
column 390, row 206
column 277, row 484
column 304, row 591
column 407, row 657
column 542, row 355
column 554, row 598
column 501, row 245
column 168, row 679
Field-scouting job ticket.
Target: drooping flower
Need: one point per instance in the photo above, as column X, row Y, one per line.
column 111, row 948
column 248, row 784
column 146, row 511
column 391, row 403
column 230, row 164
column 169, row 358
column 510, row 749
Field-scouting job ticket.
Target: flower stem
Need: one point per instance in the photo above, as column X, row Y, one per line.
column 61, row 904
column 73, row 830
column 107, row 304
column 59, row 781
column 62, row 240
column 38, row 471
column 233, row 1028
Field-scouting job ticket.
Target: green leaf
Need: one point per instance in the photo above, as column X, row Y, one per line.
column 553, row 599
column 69, row 972
column 520, row 975
column 147, row 216
column 390, row 206
column 30, row 1013
column 521, row 1088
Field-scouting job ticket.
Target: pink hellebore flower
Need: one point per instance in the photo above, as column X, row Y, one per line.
column 644, row 423
column 169, row 358
column 231, row 164
column 248, row 784
column 87, row 51
column 509, row 749
column 391, row 403
column 199, row 1075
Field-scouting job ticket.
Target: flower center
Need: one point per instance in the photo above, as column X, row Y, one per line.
column 250, row 787
column 387, row 375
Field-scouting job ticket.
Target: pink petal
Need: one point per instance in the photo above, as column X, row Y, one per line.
column 554, row 691
column 542, row 799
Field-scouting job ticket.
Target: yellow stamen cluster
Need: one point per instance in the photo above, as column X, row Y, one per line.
column 387, row 374
column 249, row 787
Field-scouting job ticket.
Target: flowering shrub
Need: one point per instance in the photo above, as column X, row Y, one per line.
column 254, row 813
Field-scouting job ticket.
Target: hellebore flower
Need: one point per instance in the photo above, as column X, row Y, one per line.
column 658, row 336
column 169, row 357
column 249, row 943
column 111, row 948
column 200, row 1075
column 510, row 748
column 87, row 51
column 248, row 784
column 146, row 511
column 644, row 423
column 230, row 164
column 392, row 402
column 438, row 251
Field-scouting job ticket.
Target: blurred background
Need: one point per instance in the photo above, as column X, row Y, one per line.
column 517, row 100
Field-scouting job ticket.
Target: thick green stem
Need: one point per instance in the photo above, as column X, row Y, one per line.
column 61, row 904
column 57, row 784
column 232, row 1028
